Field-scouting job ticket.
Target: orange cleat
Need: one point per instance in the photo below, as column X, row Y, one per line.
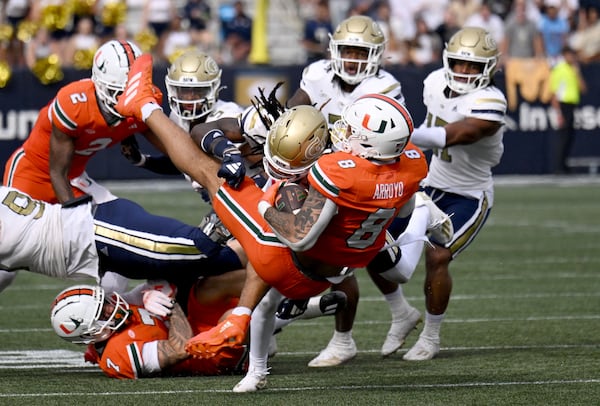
column 230, row 333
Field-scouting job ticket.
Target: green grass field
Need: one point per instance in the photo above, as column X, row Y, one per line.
column 523, row 327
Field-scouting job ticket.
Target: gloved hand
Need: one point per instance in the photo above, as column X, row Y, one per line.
column 140, row 97
column 268, row 198
column 130, row 149
column 232, row 168
column 230, row 333
column 158, row 303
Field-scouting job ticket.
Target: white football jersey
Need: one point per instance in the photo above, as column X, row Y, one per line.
column 221, row 109
column 44, row 238
column 464, row 169
column 325, row 92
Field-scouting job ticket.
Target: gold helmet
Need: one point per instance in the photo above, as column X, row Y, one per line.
column 361, row 32
column 294, row 142
column 471, row 44
column 193, row 83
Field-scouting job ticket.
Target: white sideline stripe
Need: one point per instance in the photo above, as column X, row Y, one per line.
column 312, row 388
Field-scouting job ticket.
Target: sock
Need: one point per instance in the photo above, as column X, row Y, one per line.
column 433, row 323
column 398, row 305
column 342, row 338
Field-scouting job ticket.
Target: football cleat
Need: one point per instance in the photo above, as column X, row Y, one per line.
column 398, row 332
column 333, row 355
column 252, row 382
column 439, row 228
column 424, row 349
column 230, row 333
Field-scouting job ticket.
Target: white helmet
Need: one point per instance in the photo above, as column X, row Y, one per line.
column 193, row 82
column 110, row 69
column 472, row 44
column 295, row 141
column 360, row 32
column 78, row 314
column 373, row 126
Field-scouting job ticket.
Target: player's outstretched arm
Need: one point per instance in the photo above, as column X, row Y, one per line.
column 139, row 100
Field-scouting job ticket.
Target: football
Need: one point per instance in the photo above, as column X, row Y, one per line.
column 290, row 198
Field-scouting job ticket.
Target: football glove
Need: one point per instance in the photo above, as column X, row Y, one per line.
column 140, row 97
column 232, row 167
column 130, row 149
column 228, row 334
column 268, row 198
column 158, row 303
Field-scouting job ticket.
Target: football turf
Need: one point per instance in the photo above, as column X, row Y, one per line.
column 523, row 325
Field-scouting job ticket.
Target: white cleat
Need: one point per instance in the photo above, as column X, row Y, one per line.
column 440, row 227
column 398, row 332
column 334, row 355
column 252, row 382
column 423, row 350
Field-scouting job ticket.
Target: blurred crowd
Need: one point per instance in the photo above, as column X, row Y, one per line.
column 67, row 32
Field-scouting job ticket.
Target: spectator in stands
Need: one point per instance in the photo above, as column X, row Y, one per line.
column 522, row 38
column 449, row 27
column 15, row 11
column 554, row 30
column 426, row 47
column 237, row 36
column 82, row 45
column 566, row 85
column 158, row 15
column 198, row 14
column 463, row 9
column 484, row 18
column 586, row 40
column 177, row 39
column 396, row 50
column 38, row 47
column 316, row 32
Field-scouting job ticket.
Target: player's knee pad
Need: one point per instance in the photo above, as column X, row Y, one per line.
column 385, row 260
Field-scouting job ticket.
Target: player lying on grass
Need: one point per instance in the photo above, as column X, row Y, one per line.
column 143, row 333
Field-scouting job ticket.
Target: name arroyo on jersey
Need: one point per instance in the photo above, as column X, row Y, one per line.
column 388, row 190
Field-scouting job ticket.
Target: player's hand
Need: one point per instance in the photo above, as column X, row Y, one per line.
column 271, row 192
column 230, row 333
column 130, row 149
column 158, row 303
column 232, row 168
column 139, row 98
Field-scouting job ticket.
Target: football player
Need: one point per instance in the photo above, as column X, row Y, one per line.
column 354, row 69
column 464, row 127
column 339, row 206
column 77, row 123
column 120, row 237
column 143, row 333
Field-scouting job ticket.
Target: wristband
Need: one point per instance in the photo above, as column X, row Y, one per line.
column 147, row 109
column 77, row 201
column 429, row 137
column 262, row 207
column 241, row 310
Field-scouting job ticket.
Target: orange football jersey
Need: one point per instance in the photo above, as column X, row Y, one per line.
column 75, row 112
column 368, row 196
